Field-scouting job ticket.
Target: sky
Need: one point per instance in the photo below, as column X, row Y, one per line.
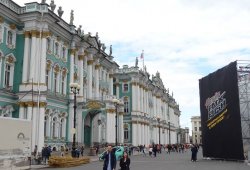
column 184, row 40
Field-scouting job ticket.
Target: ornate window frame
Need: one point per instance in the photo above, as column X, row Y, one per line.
column 48, row 73
column 1, row 32
column 11, row 40
column 125, row 87
column 10, row 60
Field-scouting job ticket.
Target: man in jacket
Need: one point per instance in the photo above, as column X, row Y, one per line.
column 109, row 159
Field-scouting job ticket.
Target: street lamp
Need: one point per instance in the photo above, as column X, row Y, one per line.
column 169, row 133
column 158, row 119
column 75, row 88
column 116, row 103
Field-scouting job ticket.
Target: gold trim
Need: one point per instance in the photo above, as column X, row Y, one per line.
column 72, row 51
column 12, row 26
column 38, row 34
column 94, row 105
column 97, row 66
column 110, row 110
column 27, row 34
column 1, row 19
column 90, row 62
column 80, row 57
column 45, row 34
column 33, row 33
column 121, row 113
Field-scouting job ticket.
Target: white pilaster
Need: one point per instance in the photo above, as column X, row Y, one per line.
column 41, row 129
column 97, row 95
column 33, row 58
column 134, row 134
column 43, row 61
column 90, row 75
column 71, row 72
column 26, row 57
column 80, row 58
column 21, row 112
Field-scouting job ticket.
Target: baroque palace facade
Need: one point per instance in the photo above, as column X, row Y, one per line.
column 41, row 54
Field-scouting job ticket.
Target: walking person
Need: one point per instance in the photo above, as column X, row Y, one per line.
column 109, row 159
column 154, row 150
column 194, row 151
column 143, row 150
column 125, row 162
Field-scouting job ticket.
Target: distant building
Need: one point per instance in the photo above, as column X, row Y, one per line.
column 196, row 130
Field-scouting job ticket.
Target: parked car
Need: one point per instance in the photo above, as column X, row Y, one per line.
column 119, row 150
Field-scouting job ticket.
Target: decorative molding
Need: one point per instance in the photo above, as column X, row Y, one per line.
column 97, row 66
column 1, row 19
column 33, row 33
column 90, row 62
column 27, row 34
column 80, row 57
column 94, row 105
column 46, row 34
column 12, row 26
column 72, row 52
column 110, row 110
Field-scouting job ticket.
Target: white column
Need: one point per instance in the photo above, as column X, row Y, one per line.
column 133, row 97
column 43, row 60
column 79, row 126
column 134, row 133
column 89, row 88
column 21, row 112
column 111, row 84
column 138, row 99
column 41, row 129
column 29, row 112
column 143, row 134
column 139, row 133
column 117, row 90
column 70, row 119
column 97, row 81
column 26, row 56
column 33, row 57
column 85, row 86
column 71, row 71
column 80, row 57
column 34, row 128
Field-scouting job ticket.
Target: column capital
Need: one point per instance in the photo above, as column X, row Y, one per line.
column 90, row 62
column 81, row 57
column 46, row 34
column 97, row 66
column 27, row 34
column 33, row 33
column 72, row 52
column 110, row 110
column 1, row 19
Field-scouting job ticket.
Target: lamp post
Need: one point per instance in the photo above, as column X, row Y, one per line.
column 169, row 133
column 158, row 119
column 116, row 103
column 75, row 88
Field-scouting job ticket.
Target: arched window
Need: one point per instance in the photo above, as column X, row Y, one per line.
column 63, row 84
column 10, row 38
column 56, row 49
column 64, row 53
column 62, row 128
column 126, row 105
column 126, row 133
column 9, row 71
column 55, row 82
column 48, row 45
column 125, row 87
column 54, row 121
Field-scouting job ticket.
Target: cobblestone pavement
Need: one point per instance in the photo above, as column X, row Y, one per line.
column 174, row 161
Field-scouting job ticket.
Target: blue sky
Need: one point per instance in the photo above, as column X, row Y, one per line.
column 184, row 40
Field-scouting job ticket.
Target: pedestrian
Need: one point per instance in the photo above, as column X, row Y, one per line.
column 143, row 150
column 125, row 162
column 109, row 159
column 155, row 150
column 194, row 151
column 82, row 150
column 150, row 150
column 97, row 149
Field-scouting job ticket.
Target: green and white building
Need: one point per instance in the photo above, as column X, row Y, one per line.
column 41, row 54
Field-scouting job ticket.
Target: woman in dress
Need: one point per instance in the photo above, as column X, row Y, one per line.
column 125, row 162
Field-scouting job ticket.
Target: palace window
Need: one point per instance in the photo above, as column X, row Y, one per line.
column 56, row 49
column 126, row 133
column 64, row 53
column 63, row 84
column 47, row 78
column 55, row 82
column 125, row 87
column 7, row 75
column 126, row 106
column 54, row 127
column 48, row 45
column 11, row 38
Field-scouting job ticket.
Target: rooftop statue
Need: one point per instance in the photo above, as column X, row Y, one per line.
column 71, row 17
column 52, row 5
column 136, row 62
column 97, row 36
column 43, row 1
column 79, row 30
column 110, row 50
column 60, row 11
